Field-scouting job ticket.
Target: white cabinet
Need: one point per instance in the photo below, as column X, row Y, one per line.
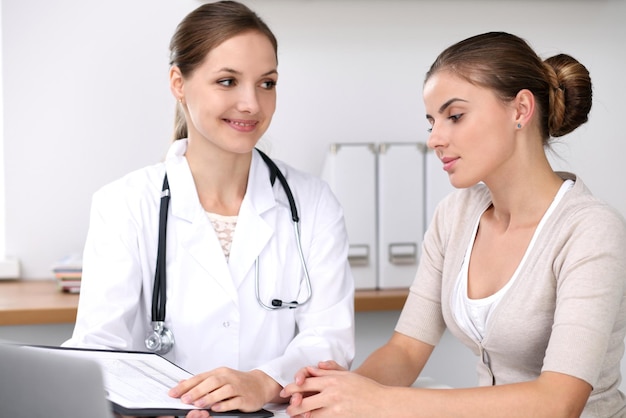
column 382, row 188
column 350, row 170
column 401, row 211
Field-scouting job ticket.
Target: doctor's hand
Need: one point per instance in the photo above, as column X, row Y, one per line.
column 225, row 389
column 335, row 393
column 303, row 374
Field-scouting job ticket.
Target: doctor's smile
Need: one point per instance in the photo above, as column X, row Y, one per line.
column 242, row 125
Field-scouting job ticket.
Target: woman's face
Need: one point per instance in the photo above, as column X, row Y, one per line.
column 231, row 97
column 472, row 130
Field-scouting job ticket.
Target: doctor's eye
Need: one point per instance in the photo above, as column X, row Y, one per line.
column 268, row 84
column 226, row 82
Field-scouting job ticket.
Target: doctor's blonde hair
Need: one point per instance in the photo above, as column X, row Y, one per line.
column 203, row 30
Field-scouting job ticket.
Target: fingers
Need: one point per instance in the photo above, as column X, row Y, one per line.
column 310, row 385
column 305, row 372
column 185, row 385
column 203, row 389
column 301, row 375
column 330, row 365
column 296, row 399
column 230, row 404
column 306, row 407
column 216, row 399
column 226, row 389
column 198, row 414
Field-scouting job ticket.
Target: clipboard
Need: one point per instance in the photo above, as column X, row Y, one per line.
column 262, row 413
column 136, row 383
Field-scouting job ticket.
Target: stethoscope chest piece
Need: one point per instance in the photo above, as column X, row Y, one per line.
column 160, row 340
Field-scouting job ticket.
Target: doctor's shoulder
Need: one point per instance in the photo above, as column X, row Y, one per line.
column 133, row 190
column 309, row 190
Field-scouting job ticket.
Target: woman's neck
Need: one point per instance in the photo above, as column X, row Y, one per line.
column 521, row 199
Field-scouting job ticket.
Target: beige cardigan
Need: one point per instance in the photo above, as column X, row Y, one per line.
column 565, row 313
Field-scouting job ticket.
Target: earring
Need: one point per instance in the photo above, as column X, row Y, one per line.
column 519, row 126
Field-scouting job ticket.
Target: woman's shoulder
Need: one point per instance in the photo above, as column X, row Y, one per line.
column 581, row 203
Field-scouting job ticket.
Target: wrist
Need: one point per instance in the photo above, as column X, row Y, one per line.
column 270, row 388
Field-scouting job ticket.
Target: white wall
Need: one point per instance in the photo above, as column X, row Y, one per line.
column 86, row 97
column 2, row 205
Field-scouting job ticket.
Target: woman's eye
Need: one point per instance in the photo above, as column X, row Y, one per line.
column 431, row 122
column 268, row 85
column 226, row 82
column 455, row 118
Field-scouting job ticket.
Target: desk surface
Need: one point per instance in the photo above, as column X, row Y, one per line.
column 28, row 302
column 25, row 302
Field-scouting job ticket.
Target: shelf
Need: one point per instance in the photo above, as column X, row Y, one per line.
column 30, row 302
column 380, row 300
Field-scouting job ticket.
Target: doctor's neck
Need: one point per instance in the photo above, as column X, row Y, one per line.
column 221, row 179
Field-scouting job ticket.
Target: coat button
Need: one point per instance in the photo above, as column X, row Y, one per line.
column 226, row 324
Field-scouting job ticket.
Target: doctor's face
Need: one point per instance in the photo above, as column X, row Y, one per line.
column 472, row 130
column 230, row 97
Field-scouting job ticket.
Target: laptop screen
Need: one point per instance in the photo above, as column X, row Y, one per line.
column 35, row 383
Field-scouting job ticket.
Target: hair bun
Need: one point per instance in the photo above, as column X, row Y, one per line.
column 570, row 94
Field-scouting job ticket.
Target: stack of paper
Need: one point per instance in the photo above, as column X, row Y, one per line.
column 68, row 272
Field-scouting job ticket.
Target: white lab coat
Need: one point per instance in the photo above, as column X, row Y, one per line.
column 211, row 304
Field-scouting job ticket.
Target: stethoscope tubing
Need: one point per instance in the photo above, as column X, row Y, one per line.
column 277, row 303
column 160, row 283
column 158, row 296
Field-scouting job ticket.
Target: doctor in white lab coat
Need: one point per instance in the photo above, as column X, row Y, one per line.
column 242, row 352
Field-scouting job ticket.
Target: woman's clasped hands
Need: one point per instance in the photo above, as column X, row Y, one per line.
column 329, row 390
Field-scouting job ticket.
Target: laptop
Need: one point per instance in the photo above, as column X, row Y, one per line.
column 51, row 382
column 36, row 383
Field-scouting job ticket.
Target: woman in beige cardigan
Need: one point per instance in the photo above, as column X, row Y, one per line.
column 522, row 264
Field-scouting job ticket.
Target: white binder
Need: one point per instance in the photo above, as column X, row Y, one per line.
column 401, row 212
column 350, row 170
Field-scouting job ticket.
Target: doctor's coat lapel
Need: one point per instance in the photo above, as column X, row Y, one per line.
column 195, row 232
column 255, row 227
column 253, row 232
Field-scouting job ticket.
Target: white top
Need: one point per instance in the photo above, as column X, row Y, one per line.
column 473, row 314
column 224, row 227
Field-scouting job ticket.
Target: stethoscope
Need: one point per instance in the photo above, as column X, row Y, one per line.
column 161, row 339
